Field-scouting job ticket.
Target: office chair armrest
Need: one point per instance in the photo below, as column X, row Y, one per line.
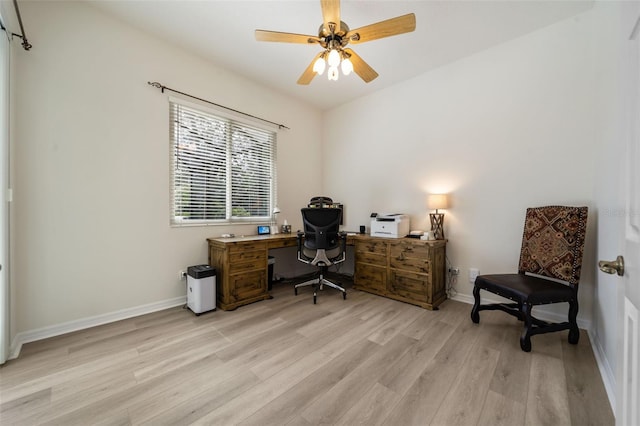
column 299, row 236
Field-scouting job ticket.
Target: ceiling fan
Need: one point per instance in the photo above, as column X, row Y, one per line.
column 334, row 35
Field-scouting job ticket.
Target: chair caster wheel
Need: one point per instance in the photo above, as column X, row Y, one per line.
column 344, row 295
column 295, row 291
column 314, row 299
column 525, row 344
column 475, row 317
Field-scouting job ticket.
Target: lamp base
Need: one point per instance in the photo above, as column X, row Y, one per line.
column 437, row 221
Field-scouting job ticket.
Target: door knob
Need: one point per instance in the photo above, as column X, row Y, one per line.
column 612, row 267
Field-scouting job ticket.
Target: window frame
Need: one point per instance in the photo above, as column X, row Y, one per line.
column 232, row 120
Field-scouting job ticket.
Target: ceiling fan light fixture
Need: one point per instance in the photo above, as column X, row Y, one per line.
column 346, row 66
column 333, row 73
column 319, row 65
column 333, row 37
column 334, row 58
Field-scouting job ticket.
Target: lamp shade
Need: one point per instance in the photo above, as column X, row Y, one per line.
column 438, row 201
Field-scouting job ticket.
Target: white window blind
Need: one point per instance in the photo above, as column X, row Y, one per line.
column 222, row 170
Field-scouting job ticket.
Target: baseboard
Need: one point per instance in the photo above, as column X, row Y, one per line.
column 607, row 374
column 83, row 323
column 608, row 378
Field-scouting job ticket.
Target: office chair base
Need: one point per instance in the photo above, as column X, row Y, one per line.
column 319, row 283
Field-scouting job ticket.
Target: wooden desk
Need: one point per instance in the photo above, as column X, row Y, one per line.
column 405, row 269
column 241, row 267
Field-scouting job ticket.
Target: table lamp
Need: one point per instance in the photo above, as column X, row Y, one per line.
column 435, row 202
column 274, row 220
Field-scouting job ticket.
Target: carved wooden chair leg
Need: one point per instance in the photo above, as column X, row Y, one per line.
column 525, row 339
column 475, row 316
column 574, row 331
column 520, row 312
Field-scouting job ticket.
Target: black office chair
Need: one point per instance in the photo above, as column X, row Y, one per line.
column 552, row 247
column 322, row 245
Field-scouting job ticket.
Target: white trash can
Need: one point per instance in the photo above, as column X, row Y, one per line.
column 201, row 288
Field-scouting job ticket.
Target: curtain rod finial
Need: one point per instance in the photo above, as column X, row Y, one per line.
column 156, row 85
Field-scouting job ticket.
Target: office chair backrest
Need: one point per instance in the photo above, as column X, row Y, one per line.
column 553, row 242
column 321, row 227
column 320, row 201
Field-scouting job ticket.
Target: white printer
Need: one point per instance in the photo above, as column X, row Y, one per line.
column 390, row 225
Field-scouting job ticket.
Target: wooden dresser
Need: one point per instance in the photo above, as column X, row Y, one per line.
column 241, row 267
column 405, row 269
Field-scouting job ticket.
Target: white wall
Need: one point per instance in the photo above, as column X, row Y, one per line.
column 5, row 66
column 505, row 129
column 91, row 230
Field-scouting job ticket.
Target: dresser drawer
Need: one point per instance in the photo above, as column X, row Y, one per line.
column 414, row 264
column 404, row 249
column 373, row 278
column 409, row 285
column 372, row 246
column 372, row 258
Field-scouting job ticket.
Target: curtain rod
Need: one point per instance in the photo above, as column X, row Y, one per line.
column 163, row 88
column 25, row 44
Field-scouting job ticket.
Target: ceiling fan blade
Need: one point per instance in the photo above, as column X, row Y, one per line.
column 331, row 13
column 309, row 73
column 390, row 27
column 264, row 35
column 361, row 68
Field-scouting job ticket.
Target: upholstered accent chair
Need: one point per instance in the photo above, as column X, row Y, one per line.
column 548, row 272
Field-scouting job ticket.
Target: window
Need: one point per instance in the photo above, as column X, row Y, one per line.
column 222, row 170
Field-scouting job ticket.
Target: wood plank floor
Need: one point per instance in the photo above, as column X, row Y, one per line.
column 363, row 360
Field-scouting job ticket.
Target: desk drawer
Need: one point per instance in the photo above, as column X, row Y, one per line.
column 248, row 256
column 247, row 285
column 285, row 242
column 247, row 246
column 243, row 267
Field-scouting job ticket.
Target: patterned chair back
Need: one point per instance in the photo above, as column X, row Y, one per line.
column 553, row 242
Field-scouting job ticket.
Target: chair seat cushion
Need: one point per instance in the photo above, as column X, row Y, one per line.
column 332, row 254
column 525, row 288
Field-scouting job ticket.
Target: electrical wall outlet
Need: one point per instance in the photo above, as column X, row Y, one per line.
column 454, row 271
column 473, row 274
column 182, row 275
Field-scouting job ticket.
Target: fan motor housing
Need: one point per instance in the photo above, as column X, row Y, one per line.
column 326, row 32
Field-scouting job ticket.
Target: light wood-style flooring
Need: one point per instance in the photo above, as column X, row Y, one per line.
column 364, row 360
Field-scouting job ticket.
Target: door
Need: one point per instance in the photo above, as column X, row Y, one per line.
column 629, row 389
column 624, row 186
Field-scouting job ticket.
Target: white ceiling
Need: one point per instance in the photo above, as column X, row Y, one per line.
column 223, row 31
